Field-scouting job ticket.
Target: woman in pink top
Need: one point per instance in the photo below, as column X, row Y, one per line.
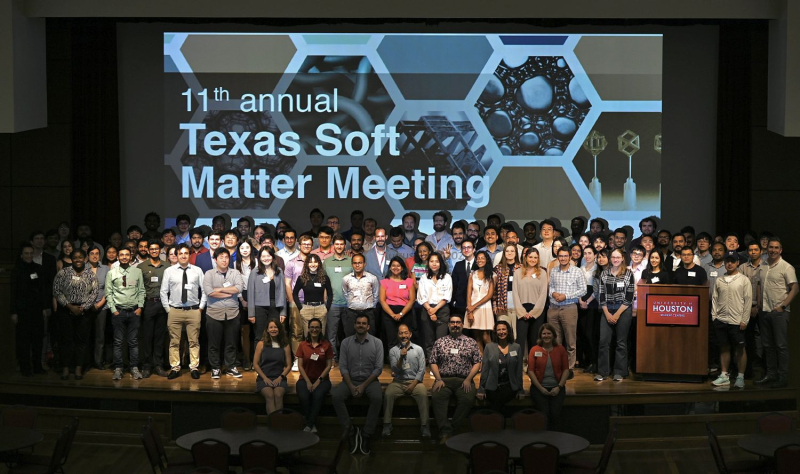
column 397, row 296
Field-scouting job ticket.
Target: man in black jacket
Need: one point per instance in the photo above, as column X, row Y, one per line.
column 461, row 272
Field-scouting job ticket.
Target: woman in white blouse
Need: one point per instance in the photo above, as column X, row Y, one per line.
column 434, row 293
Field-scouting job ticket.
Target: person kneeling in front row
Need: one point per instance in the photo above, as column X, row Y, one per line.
column 407, row 361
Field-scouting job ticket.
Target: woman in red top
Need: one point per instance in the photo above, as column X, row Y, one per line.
column 314, row 359
column 548, row 368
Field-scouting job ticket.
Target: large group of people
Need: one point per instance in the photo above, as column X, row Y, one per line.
column 469, row 298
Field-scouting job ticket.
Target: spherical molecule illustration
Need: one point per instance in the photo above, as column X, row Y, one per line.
column 533, row 108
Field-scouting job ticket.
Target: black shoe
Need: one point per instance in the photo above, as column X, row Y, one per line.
column 232, row 372
column 590, row 369
column 160, row 371
column 78, row 376
column 571, row 374
column 364, row 446
column 174, row 374
column 146, row 374
column 767, row 380
column 353, row 437
column 780, row 384
column 195, row 374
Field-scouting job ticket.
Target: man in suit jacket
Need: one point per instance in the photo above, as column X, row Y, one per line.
column 461, row 272
column 379, row 256
column 206, row 260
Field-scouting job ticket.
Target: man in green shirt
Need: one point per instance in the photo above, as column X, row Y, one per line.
column 125, row 297
column 154, row 320
column 336, row 267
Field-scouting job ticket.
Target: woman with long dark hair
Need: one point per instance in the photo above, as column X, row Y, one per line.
column 434, row 294
column 503, row 298
column 397, row 296
column 266, row 292
column 501, row 371
column 588, row 322
column 479, row 318
column 317, row 292
column 245, row 263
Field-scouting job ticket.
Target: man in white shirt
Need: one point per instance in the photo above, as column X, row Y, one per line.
column 440, row 239
column 290, row 249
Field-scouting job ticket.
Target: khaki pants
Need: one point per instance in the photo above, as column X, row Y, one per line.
column 310, row 312
column 565, row 320
column 295, row 326
column 397, row 389
column 175, row 321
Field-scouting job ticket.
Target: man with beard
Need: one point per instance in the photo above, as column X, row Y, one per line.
column 76, row 291
column 576, row 227
column 379, row 256
column 440, row 239
column 152, row 222
column 204, row 260
column 752, row 270
column 474, row 233
column 410, row 229
column 662, row 241
column 197, row 248
column 453, row 253
column 647, row 226
column 290, row 248
column 396, row 239
column 529, row 229
column 370, row 225
column 84, row 232
column 142, row 252
column 356, row 243
column 125, row 295
column 620, row 238
column 673, row 261
column 280, row 229
column 511, row 239
column 597, row 226
column 336, row 268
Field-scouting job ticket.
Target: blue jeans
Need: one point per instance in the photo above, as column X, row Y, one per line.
column 126, row 325
column 606, row 332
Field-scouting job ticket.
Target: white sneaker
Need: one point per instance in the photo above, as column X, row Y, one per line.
column 739, row 382
column 314, row 429
column 294, row 366
column 307, row 429
column 722, row 380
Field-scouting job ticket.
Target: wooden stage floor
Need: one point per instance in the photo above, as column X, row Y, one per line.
column 581, row 391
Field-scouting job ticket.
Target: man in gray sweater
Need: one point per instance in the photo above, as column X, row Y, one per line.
column 731, row 300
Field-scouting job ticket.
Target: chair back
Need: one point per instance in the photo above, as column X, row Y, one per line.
column 19, row 416
column 608, row 448
column 487, row 457
column 529, row 419
column 211, row 453
column 73, row 430
column 338, row 456
column 775, row 423
column 151, row 450
column 486, row 421
column 716, row 450
column 60, row 451
column 258, row 454
column 162, row 453
column 787, row 459
column 238, row 419
column 286, row 420
column 539, row 457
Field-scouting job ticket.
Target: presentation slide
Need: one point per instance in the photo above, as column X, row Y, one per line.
column 671, row 310
column 534, row 126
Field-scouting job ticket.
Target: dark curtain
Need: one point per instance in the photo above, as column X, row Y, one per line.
column 95, row 129
column 734, row 127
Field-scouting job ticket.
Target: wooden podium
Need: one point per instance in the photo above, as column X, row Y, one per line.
column 672, row 353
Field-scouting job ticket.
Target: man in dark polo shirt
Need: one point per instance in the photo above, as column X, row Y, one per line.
column 154, row 317
column 689, row 273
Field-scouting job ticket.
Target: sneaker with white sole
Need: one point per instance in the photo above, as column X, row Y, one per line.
column 739, row 382
column 307, row 429
column 135, row 374
column 215, row 373
column 599, row 378
column 618, row 378
column 353, row 438
column 117, row 374
column 722, row 380
column 314, row 429
column 387, row 429
column 232, row 372
column 294, row 366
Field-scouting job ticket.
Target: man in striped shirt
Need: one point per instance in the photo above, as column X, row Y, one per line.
column 567, row 285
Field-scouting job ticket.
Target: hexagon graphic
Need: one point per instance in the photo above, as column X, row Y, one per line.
column 238, row 53
column 533, row 105
column 341, row 90
column 623, row 67
column 433, row 67
column 442, row 157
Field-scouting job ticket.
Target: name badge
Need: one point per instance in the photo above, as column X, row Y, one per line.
column 533, row 275
column 454, row 351
column 314, row 356
column 266, row 279
column 691, row 274
column 513, row 353
column 34, row 276
column 318, row 285
column 76, row 278
column 655, row 279
column 188, row 286
column 712, row 274
column 537, row 354
column 510, row 278
column 406, row 366
column 402, row 287
column 154, row 279
column 226, row 284
column 337, row 269
column 620, row 284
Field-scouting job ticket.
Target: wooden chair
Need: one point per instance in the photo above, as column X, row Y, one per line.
column 320, row 466
column 238, row 419
column 576, row 466
column 529, row 419
column 286, row 420
column 539, row 457
column 735, row 467
column 787, row 459
column 258, row 454
column 54, row 461
column 487, row 457
column 486, row 421
column 180, row 460
column 775, row 423
column 212, row 453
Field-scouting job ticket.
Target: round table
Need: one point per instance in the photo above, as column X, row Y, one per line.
column 12, row 439
column 286, row 441
column 765, row 444
column 514, row 440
